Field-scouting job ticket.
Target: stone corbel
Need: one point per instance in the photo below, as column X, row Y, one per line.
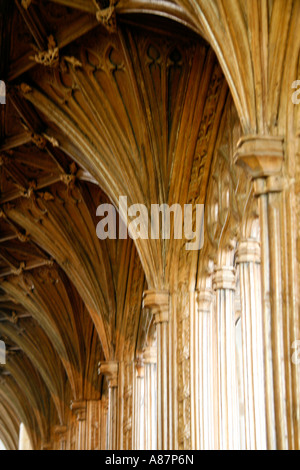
column 262, row 158
column 158, row 303
column 111, row 371
column 79, row 409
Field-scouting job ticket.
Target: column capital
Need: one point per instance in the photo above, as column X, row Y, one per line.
column 248, row 251
column 158, row 302
column 224, row 278
column 110, row 369
column 204, row 299
column 150, row 355
column 79, row 409
column 260, row 155
column 60, row 430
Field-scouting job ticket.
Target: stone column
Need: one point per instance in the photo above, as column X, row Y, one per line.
column 61, row 433
column 204, row 367
column 93, row 424
column 139, row 405
column 263, row 159
column 225, row 385
column 103, row 422
column 150, row 397
column 111, row 371
column 158, row 303
column 79, row 409
column 248, row 258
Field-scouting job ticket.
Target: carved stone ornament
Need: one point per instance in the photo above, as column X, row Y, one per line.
column 49, row 58
column 107, row 16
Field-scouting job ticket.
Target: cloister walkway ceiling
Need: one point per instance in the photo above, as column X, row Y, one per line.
column 138, row 98
column 92, row 111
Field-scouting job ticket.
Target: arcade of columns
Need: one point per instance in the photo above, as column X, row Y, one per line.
column 122, row 344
